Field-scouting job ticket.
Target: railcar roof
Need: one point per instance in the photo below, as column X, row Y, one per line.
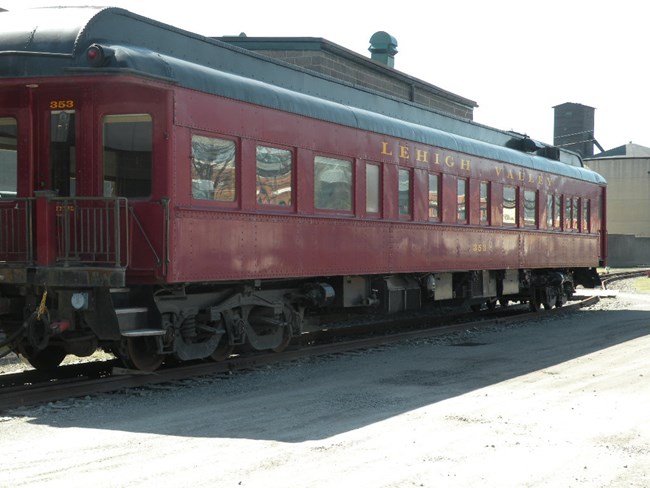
column 53, row 42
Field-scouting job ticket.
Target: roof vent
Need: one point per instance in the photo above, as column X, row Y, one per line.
column 383, row 48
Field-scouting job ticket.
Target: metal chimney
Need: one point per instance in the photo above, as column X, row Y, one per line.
column 383, row 48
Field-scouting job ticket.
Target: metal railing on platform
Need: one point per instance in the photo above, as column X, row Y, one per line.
column 92, row 231
column 16, row 230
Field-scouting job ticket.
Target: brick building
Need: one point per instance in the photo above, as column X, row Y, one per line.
column 376, row 73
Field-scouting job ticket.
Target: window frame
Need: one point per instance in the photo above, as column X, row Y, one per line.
column 515, row 207
column 558, row 213
column 273, row 206
column 8, row 194
column 484, row 208
column 103, row 147
column 527, row 221
column 462, row 207
column 438, row 200
column 586, row 215
column 352, row 186
column 237, row 172
column 401, row 170
column 378, row 212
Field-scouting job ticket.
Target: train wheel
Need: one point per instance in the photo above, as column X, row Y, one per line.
column 223, row 351
column 286, row 339
column 143, row 353
column 44, row 360
column 504, row 302
column 287, row 330
column 491, row 303
column 550, row 299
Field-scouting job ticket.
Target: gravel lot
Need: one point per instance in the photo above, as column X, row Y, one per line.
column 558, row 401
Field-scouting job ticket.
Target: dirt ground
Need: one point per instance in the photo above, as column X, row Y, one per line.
column 557, row 402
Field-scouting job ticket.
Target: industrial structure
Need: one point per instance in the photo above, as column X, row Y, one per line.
column 627, row 171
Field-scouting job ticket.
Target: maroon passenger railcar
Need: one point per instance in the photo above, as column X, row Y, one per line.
column 157, row 201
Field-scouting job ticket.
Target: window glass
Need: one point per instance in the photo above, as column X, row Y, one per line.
column 484, row 203
column 462, row 201
column 568, row 212
column 63, row 143
column 332, row 183
column 550, row 206
column 434, row 195
column 586, row 215
column 509, row 205
column 127, row 155
column 274, row 180
column 213, row 169
column 557, row 213
column 530, row 207
column 404, row 192
column 372, row 188
column 8, row 157
column 574, row 215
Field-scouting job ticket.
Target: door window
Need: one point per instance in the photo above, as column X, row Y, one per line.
column 127, row 155
column 8, row 157
column 63, row 143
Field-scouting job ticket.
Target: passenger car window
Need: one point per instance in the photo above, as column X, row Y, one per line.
column 372, row 188
column 434, row 197
column 484, row 203
column 127, row 155
column 530, row 208
column 557, row 213
column 509, row 205
column 332, row 183
column 586, row 215
column 8, row 157
column 404, row 192
column 274, row 176
column 462, row 201
column 214, row 169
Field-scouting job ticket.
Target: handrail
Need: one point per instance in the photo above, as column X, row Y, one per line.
column 84, row 231
column 16, row 231
column 144, row 234
column 92, row 230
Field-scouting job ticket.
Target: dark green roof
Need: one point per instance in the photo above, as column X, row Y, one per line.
column 53, row 42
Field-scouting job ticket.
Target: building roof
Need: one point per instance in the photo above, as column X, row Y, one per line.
column 629, row 150
column 261, row 44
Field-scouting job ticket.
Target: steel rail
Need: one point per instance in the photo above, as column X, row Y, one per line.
column 120, row 379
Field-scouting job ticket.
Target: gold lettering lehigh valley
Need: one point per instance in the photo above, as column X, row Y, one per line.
column 404, row 152
column 421, row 156
column 384, row 149
column 464, row 164
column 499, row 170
column 450, row 162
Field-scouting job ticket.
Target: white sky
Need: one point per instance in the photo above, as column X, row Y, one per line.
column 516, row 59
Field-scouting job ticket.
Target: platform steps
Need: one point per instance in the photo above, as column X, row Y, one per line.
column 133, row 320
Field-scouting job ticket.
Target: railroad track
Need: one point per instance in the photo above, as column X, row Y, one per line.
column 623, row 275
column 31, row 388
